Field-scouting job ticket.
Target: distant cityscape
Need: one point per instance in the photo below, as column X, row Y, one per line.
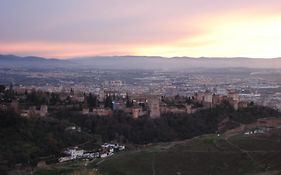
column 262, row 87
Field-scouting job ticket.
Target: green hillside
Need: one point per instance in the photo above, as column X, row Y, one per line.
column 258, row 154
column 209, row 154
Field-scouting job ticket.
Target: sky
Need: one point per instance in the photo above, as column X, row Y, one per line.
column 168, row 28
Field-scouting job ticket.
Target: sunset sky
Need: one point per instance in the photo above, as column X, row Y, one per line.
column 195, row 28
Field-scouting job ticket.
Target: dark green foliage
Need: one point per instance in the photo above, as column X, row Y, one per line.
column 2, row 88
column 36, row 98
column 6, row 95
column 92, row 100
column 54, row 99
column 123, row 128
column 250, row 114
column 129, row 102
column 108, row 102
column 26, row 140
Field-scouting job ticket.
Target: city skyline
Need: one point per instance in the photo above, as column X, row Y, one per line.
column 67, row 29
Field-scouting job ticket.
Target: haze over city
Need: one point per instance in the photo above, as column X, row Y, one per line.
column 194, row 28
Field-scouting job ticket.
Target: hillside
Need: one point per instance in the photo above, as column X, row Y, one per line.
column 208, row 154
column 31, row 62
column 24, row 142
column 233, row 152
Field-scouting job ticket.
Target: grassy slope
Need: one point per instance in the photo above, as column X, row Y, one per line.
column 208, row 154
column 203, row 155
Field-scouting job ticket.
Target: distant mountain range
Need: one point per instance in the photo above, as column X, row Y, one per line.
column 139, row 62
column 31, row 62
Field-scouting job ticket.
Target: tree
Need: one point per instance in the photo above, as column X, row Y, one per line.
column 54, row 99
column 108, row 102
column 129, row 102
column 92, row 100
column 2, row 88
